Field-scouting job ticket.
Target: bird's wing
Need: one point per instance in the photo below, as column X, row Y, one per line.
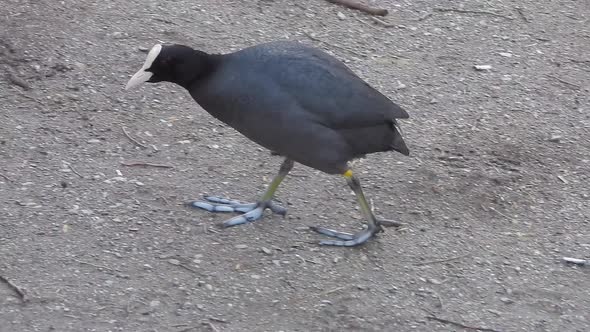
column 328, row 90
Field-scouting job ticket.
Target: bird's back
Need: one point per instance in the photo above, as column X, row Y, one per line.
column 299, row 92
column 322, row 84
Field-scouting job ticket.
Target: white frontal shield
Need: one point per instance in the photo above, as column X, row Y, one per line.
column 143, row 75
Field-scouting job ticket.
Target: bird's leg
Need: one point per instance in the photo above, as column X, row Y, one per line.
column 251, row 211
column 374, row 225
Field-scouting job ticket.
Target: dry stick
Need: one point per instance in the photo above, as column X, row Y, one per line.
column 147, row 165
column 367, row 24
column 133, row 139
column 425, row 16
column 72, row 316
column 442, row 260
column 570, row 84
column 359, row 6
column 216, row 319
column 332, row 45
column 29, row 97
column 332, row 291
column 189, row 268
column 468, row 11
column 580, row 60
column 18, row 81
column 74, row 170
column 15, row 288
column 467, row 327
column 6, row 177
column 212, row 326
column 380, row 21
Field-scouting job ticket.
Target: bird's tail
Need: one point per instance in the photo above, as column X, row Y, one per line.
column 398, row 143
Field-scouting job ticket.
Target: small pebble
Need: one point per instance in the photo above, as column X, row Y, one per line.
column 483, row 67
column 506, row 300
column 434, row 281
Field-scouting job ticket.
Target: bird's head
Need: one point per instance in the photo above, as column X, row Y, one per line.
column 170, row 63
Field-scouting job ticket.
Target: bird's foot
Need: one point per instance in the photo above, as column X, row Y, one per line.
column 353, row 240
column 251, row 211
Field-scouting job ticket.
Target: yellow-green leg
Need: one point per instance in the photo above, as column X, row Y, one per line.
column 374, row 225
column 251, row 211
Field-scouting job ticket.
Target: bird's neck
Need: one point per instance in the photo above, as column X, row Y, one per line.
column 198, row 69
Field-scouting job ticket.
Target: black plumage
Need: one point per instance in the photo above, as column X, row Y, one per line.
column 293, row 99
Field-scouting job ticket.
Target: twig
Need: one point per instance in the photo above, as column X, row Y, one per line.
column 586, row 61
column 442, row 260
column 211, row 325
column 467, row 327
column 20, row 92
column 5, row 177
column 143, row 146
column 380, row 21
column 15, row 288
column 570, row 84
column 500, row 213
column 424, row 16
column 74, row 170
column 96, row 266
column 187, row 328
column 163, row 20
column 216, row 319
column 176, row 262
column 332, row 45
column 359, row 6
column 17, row 80
column 147, row 165
column 72, row 316
column 365, row 23
column 577, row 261
column 334, row 290
column 189, row 268
column 469, row 11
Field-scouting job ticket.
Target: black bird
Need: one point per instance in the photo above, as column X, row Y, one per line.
column 296, row 101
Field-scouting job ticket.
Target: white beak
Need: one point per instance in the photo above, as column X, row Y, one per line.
column 138, row 79
column 143, row 75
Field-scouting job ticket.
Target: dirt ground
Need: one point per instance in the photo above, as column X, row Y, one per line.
column 495, row 193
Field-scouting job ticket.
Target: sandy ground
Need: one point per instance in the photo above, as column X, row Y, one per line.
column 495, row 193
